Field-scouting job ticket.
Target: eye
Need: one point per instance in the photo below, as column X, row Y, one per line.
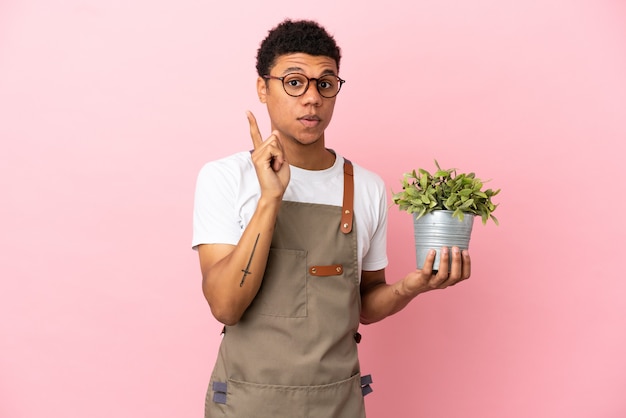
column 327, row 83
column 294, row 80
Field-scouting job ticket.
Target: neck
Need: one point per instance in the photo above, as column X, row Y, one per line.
column 310, row 157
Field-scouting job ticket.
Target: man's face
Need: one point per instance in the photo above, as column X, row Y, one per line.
column 301, row 119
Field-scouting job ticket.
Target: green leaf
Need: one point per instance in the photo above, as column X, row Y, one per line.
column 424, row 181
column 467, row 204
column 462, row 193
column 410, row 191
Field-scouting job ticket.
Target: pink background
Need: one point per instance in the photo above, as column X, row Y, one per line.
column 108, row 109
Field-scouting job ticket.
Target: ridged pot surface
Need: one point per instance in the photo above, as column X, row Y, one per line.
column 439, row 229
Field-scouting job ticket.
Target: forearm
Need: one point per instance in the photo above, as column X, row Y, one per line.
column 379, row 300
column 382, row 301
column 230, row 284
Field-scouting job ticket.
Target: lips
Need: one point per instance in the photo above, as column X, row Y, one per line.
column 310, row 121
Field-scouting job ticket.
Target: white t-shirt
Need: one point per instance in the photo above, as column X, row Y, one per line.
column 227, row 192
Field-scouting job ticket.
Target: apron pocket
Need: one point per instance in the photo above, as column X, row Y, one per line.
column 283, row 290
column 336, row 400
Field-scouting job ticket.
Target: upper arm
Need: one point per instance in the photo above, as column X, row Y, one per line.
column 216, row 216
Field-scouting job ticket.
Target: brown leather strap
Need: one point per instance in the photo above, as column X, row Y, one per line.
column 348, row 197
column 332, row 270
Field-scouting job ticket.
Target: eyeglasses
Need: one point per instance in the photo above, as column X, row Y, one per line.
column 296, row 84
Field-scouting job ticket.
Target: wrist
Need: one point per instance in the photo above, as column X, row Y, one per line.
column 268, row 206
column 413, row 285
column 268, row 201
column 403, row 291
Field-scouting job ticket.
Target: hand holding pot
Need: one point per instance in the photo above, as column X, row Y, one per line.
column 426, row 279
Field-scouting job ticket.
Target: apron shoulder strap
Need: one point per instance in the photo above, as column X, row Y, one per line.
column 347, row 208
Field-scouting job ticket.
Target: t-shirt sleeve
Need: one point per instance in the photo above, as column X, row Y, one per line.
column 215, row 219
column 376, row 256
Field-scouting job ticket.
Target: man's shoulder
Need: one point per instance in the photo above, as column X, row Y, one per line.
column 238, row 163
column 367, row 177
column 238, row 159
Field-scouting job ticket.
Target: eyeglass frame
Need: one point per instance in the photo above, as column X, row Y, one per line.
column 308, row 83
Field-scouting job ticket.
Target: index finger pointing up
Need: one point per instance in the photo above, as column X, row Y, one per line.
column 255, row 134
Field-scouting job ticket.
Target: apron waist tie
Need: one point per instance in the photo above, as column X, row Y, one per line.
column 366, row 382
column 219, row 392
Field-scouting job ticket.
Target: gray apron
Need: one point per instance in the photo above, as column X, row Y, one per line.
column 293, row 354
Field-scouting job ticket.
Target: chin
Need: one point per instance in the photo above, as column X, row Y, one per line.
column 308, row 141
column 309, row 137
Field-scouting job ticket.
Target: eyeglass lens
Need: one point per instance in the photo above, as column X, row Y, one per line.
column 296, row 84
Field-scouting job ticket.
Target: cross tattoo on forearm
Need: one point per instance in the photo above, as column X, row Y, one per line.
column 246, row 271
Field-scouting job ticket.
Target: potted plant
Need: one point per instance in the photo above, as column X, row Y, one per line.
column 444, row 205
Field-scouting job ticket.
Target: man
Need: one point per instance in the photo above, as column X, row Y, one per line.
column 292, row 245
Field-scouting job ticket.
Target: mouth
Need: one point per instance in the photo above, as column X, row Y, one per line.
column 310, row 121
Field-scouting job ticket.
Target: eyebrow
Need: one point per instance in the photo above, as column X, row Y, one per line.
column 300, row 70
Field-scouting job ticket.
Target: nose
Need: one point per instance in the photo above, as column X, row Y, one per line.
column 312, row 94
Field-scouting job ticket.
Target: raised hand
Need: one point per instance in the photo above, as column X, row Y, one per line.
column 269, row 160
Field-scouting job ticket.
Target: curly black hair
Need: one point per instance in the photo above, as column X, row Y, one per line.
column 290, row 37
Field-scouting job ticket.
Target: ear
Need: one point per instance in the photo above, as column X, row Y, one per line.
column 261, row 89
